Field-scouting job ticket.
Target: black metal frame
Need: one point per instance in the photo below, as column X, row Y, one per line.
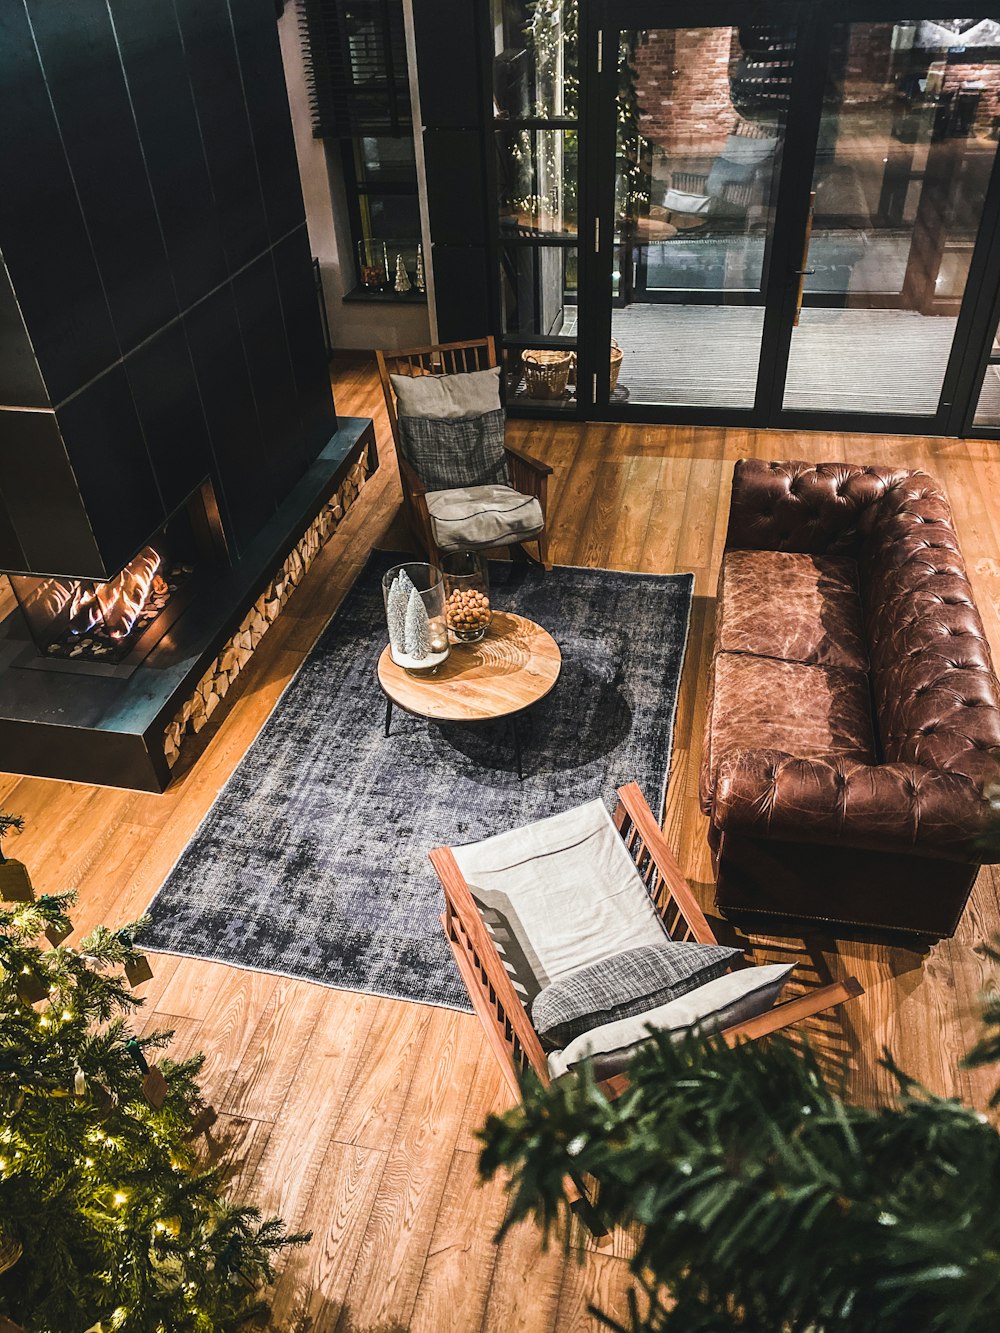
column 600, row 23
column 512, row 718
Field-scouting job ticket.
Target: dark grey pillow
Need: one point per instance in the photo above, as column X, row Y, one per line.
column 446, row 453
column 623, row 985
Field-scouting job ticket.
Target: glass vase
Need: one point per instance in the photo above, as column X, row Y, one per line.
column 467, row 595
column 414, row 611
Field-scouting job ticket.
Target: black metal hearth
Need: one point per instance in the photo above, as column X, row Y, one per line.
column 97, row 625
column 159, row 327
column 84, row 719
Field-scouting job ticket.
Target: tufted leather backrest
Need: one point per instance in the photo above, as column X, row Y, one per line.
column 936, row 696
column 816, row 508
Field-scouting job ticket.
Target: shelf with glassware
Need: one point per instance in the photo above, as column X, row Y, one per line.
column 390, row 270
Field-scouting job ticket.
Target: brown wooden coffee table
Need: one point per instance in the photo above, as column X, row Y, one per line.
column 502, row 676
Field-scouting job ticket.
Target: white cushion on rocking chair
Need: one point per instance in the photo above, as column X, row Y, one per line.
column 470, row 517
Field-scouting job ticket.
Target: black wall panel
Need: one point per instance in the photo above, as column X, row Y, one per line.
column 114, row 472
column 153, row 58
column 300, row 309
column 155, row 171
column 447, row 35
column 462, row 273
column 457, row 112
column 456, row 190
column 168, row 402
column 263, row 332
column 243, row 469
column 20, row 379
column 11, row 553
column 225, row 127
column 270, row 121
column 51, row 524
column 42, row 235
column 76, row 44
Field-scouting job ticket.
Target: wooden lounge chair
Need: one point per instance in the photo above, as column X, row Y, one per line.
column 528, row 475
column 491, row 988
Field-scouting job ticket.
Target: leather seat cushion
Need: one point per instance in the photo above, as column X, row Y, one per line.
column 800, row 608
column 811, row 712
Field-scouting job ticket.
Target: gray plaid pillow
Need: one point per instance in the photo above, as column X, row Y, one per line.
column 448, row 453
column 624, row 985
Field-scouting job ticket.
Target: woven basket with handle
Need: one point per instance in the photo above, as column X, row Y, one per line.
column 546, row 372
column 616, row 363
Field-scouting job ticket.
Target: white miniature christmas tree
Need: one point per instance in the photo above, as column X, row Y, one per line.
column 395, row 611
column 402, row 283
column 418, row 632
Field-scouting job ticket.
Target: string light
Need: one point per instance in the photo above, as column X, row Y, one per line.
column 120, row 1197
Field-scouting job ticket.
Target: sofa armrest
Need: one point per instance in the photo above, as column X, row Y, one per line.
column 880, row 807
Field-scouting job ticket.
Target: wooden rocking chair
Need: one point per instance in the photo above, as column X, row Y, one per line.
column 504, row 1017
column 527, row 474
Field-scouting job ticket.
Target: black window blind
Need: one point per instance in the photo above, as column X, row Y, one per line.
column 356, row 66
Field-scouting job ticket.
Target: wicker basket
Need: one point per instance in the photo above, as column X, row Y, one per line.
column 616, row 363
column 546, row 373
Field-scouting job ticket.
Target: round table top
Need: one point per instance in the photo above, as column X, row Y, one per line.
column 512, row 668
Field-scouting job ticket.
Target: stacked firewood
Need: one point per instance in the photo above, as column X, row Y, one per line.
column 224, row 669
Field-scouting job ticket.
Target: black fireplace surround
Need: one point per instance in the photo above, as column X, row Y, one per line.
column 167, row 427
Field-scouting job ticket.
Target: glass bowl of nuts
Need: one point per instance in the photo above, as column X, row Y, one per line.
column 467, row 596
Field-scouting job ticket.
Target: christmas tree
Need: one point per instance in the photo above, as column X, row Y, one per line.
column 418, row 630
column 762, row 1201
column 108, row 1219
column 395, row 610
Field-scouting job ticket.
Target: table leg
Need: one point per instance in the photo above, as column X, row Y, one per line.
column 388, row 714
column 517, row 747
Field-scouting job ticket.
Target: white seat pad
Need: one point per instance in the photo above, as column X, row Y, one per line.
column 559, row 894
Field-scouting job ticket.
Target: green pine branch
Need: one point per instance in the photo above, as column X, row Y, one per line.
column 762, row 1199
column 9, row 824
column 117, row 1218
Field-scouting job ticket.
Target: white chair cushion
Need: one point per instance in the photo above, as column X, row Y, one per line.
column 558, row 895
column 469, row 517
column 729, row 999
column 468, row 394
column 679, row 201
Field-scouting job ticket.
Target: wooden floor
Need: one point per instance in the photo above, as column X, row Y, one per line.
column 353, row 1115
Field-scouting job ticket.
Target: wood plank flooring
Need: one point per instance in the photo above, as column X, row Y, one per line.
column 354, row 1115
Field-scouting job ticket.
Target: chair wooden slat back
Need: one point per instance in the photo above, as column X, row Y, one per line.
column 436, row 359
column 660, row 872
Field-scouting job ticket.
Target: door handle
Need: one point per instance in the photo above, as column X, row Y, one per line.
column 802, row 273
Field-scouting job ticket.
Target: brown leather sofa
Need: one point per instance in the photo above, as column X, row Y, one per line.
column 854, row 717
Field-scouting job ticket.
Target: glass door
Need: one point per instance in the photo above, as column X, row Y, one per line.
column 700, row 119
column 790, row 215
column 905, row 151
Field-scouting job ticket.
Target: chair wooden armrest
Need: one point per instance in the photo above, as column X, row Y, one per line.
column 536, row 465
column 412, row 482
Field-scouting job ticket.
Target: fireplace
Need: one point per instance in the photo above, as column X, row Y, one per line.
column 80, row 622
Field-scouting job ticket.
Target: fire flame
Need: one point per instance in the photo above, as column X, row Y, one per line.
column 119, row 602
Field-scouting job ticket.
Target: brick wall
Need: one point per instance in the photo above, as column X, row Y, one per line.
column 867, row 62
column 683, row 89
column 957, row 76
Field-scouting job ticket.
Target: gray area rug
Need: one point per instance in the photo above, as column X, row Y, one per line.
column 312, row 862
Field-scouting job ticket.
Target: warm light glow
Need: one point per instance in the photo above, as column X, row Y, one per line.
column 119, row 601
column 120, row 1197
